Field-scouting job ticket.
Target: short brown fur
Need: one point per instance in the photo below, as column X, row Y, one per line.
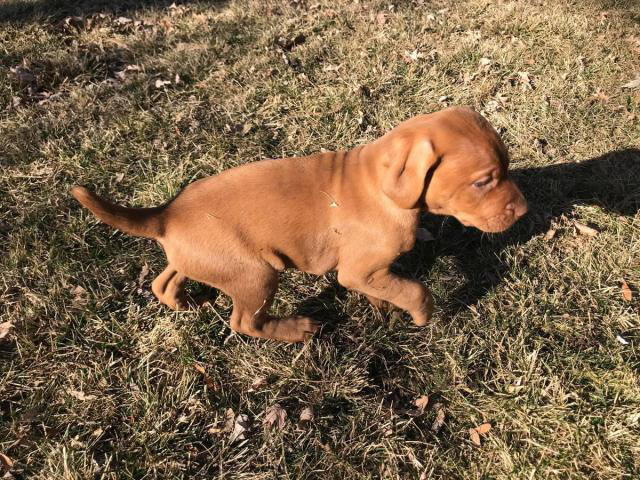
column 352, row 212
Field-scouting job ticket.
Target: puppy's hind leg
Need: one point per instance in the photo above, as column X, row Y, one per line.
column 169, row 288
column 252, row 297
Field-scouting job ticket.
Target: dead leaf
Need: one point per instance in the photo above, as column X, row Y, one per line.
column 485, row 64
column 550, row 234
column 275, row 413
column 230, row 418
column 239, row 428
column 23, row 75
column 306, row 415
column 440, row 417
column 289, row 43
column 540, row 144
column 599, row 96
column 627, row 294
column 422, row 402
column 475, row 436
column 584, row 230
column 633, row 84
column 381, row 18
column 621, row 340
column 119, row 177
column 80, row 395
column 424, row 235
column 79, row 295
column 635, row 42
column 143, row 274
column 129, row 68
column 514, row 388
column 525, row 80
column 4, row 328
column 475, row 433
column 207, row 379
column 413, row 56
column 258, row 383
column 484, row 428
column 6, row 462
column 246, row 128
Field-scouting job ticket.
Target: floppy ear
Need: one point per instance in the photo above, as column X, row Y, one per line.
column 404, row 181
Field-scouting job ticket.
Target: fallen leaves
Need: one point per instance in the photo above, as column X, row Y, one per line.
column 257, row 384
column 599, row 96
column 5, row 327
column 474, row 433
column 6, row 462
column 381, row 18
column 80, row 297
column 411, row 56
column 122, row 74
column 275, row 416
column 485, row 64
column 159, row 83
column 289, row 43
column 438, row 423
column 306, row 416
column 622, row 340
column 79, row 395
column 230, row 419
column 627, row 294
column 240, row 427
column 143, row 274
column 422, row 402
column 23, row 75
column 236, row 427
column 207, row 379
column 633, row 84
column 523, row 79
column 585, row 230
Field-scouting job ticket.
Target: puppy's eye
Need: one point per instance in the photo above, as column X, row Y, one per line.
column 482, row 182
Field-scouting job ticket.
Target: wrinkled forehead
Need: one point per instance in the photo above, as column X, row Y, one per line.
column 472, row 134
column 475, row 156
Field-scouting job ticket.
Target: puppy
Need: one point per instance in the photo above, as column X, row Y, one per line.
column 352, row 212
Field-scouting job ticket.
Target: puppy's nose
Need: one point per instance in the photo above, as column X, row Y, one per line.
column 517, row 209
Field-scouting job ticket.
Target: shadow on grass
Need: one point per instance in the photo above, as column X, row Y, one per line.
column 610, row 181
column 26, row 11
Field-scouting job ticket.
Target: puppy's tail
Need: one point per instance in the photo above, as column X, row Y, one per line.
column 141, row 222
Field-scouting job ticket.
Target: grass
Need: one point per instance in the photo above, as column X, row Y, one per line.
column 98, row 380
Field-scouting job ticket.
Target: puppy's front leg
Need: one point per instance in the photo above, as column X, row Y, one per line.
column 381, row 284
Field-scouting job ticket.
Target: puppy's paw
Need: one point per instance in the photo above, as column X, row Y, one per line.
column 306, row 327
column 292, row 329
column 424, row 314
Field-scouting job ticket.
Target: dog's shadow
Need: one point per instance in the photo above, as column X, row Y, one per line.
column 610, row 181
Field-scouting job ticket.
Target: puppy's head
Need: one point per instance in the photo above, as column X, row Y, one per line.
column 452, row 163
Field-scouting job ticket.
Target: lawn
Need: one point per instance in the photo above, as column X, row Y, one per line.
column 536, row 331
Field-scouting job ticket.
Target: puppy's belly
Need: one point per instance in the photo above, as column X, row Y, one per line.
column 318, row 263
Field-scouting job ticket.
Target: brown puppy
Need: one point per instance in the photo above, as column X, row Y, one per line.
column 353, row 212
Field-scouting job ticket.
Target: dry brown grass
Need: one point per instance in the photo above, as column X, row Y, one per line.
column 99, row 382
